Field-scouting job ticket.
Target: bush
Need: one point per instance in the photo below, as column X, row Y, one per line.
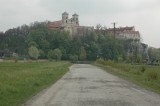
column 50, row 55
column 15, row 57
column 100, row 61
column 110, row 63
column 152, row 75
column 73, row 58
column 33, row 52
column 57, row 54
column 142, row 69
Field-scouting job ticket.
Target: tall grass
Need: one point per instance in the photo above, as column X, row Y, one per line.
column 143, row 75
column 20, row 81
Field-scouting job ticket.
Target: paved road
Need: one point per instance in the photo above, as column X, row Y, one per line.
column 87, row 85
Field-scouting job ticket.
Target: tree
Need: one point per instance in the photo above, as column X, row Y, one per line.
column 42, row 54
column 154, row 54
column 57, row 54
column 98, row 26
column 15, row 56
column 33, row 52
column 83, row 54
column 50, row 54
column 73, row 58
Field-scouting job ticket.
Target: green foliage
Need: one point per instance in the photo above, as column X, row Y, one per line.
column 152, row 75
column 57, row 54
column 15, row 57
column 32, row 43
column 143, row 75
column 136, row 72
column 154, row 54
column 20, row 81
column 87, row 46
column 142, row 69
column 33, row 52
column 82, row 55
column 41, row 54
column 120, row 59
column 50, row 55
column 74, row 58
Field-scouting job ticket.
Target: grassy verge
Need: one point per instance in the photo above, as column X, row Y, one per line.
column 142, row 75
column 20, row 81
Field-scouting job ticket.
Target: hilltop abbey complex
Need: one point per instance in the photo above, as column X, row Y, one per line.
column 72, row 26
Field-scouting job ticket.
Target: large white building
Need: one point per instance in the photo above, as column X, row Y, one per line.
column 125, row 33
column 70, row 24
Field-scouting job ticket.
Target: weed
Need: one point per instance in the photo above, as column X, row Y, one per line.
column 144, row 75
column 142, row 69
column 152, row 75
column 137, row 72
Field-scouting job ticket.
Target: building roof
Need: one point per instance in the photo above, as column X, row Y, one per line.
column 65, row 13
column 55, row 24
column 122, row 29
column 74, row 14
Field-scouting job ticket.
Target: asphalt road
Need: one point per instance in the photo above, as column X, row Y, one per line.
column 87, row 85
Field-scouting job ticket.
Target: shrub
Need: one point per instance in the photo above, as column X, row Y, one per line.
column 50, row 55
column 57, row 54
column 110, row 63
column 33, row 52
column 142, row 69
column 152, row 75
column 73, row 58
column 100, row 61
column 15, row 57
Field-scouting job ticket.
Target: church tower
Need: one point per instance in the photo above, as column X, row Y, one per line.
column 75, row 19
column 64, row 18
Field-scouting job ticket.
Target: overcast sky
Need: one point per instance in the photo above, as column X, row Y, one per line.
column 143, row 14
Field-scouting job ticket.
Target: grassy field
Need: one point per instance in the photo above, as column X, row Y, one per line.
column 143, row 75
column 20, row 81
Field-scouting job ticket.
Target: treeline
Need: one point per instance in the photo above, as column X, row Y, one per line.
column 38, row 41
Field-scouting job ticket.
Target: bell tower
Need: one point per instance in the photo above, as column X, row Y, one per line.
column 75, row 19
column 64, row 18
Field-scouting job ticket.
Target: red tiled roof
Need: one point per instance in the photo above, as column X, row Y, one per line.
column 121, row 29
column 55, row 24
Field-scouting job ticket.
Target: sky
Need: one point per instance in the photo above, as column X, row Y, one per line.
column 144, row 15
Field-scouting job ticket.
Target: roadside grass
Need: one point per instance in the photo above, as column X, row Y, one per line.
column 20, row 81
column 143, row 75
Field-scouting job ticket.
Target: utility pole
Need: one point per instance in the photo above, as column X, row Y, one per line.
column 114, row 26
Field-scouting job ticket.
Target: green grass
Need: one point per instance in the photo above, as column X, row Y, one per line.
column 20, row 81
column 143, row 75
